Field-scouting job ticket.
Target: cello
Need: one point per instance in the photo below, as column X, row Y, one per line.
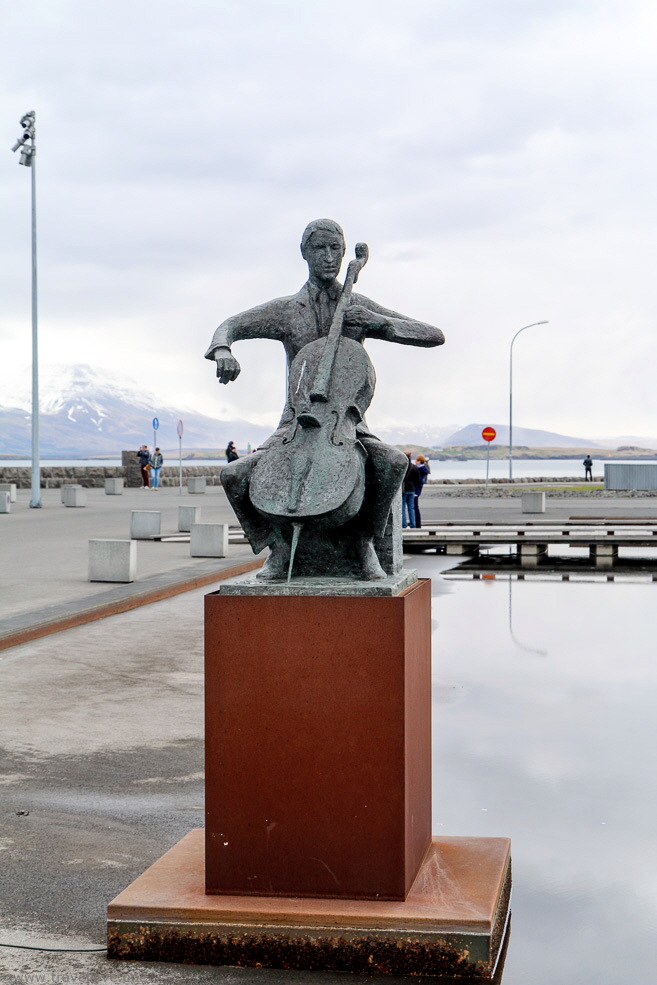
column 315, row 476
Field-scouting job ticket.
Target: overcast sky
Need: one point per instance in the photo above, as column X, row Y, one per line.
column 498, row 156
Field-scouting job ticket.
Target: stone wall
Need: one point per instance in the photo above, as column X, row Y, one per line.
column 574, row 491
column 90, row 476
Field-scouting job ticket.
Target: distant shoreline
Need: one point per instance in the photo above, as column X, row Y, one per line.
column 469, row 453
column 459, row 453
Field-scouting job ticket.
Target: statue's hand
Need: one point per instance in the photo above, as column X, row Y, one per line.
column 359, row 319
column 228, row 368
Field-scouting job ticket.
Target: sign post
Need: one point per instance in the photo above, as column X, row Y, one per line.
column 156, row 425
column 179, row 429
column 488, row 434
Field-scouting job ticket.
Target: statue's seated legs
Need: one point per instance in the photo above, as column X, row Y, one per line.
column 235, row 478
column 386, row 467
column 345, row 551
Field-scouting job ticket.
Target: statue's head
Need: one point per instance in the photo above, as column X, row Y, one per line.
column 323, row 247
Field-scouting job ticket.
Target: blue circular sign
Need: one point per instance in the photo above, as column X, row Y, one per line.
column 156, row 424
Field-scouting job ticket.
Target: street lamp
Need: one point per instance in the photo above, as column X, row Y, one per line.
column 27, row 145
column 511, row 391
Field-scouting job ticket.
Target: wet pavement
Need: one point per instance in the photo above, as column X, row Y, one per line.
column 543, row 700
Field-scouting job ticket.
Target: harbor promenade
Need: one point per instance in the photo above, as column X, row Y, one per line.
column 101, row 728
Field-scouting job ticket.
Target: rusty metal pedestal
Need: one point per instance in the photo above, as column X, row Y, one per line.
column 317, row 743
column 318, row 850
column 452, row 923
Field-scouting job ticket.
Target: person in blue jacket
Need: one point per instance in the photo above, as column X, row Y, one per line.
column 156, row 465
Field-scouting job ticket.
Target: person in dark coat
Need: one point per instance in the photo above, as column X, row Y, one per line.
column 588, row 469
column 231, row 452
column 144, row 465
column 424, row 470
column 410, row 485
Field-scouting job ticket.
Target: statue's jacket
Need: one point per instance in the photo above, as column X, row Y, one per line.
column 294, row 322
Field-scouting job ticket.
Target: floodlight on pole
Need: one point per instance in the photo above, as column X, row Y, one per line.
column 27, row 145
column 534, row 323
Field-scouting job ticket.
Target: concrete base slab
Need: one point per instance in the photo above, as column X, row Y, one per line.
column 112, row 560
column 532, row 554
column 390, row 586
column 68, row 485
column 187, row 515
column 196, row 485
column 458, row 549
column 451, row 924
column 9, row 487
column 74, row 496
column 603, row 555
column 533, row 502
column 208, row 540
column 144, row 524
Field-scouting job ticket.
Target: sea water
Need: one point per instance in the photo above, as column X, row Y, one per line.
column 544, row 731
column 555, row 468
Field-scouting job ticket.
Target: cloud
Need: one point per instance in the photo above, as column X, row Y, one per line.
column 498, row 159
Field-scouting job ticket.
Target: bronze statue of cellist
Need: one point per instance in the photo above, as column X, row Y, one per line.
column 340, row 539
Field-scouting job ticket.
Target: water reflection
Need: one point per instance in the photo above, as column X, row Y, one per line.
column 523, row 646
column 558, row 754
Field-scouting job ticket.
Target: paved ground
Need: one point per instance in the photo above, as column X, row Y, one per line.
column 101, row 745
column 49, row 546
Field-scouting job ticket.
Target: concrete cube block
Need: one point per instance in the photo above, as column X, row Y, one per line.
column 532, row 554
column 603, row 555
column 196, row 484
column 144, row 524
column 114, row 487
column 9, row 487
column 208, row 540
column 533, row 502
column 187, row 515
column 112, row 560
column 74, row 496
column 5, row 502
column 68, row 485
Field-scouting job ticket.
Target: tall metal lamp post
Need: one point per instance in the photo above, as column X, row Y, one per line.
column 511, row 391
column 27, row 145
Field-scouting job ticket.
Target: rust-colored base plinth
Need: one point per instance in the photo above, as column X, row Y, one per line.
column 318, row 743
column 452, row 923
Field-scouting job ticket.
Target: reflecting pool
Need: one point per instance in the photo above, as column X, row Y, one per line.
column 544, row 707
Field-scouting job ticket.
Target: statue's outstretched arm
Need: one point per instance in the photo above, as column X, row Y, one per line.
column 376, row 322
column 261, row 322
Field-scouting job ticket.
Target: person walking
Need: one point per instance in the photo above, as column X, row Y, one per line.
column 424, row 471
column 588, row 469
column 156, row 464
column 410, row 484
column 144, row 465
column 231, row 452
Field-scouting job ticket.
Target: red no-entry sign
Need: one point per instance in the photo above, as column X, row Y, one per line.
column 488, row 434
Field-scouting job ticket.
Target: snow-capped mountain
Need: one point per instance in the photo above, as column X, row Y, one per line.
column 84, row 413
